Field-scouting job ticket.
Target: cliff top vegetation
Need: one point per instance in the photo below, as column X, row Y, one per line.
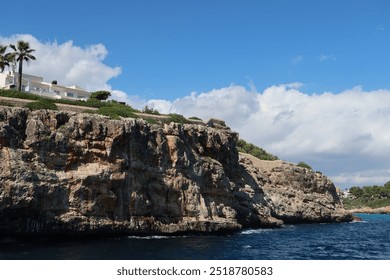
column 98, row 105
column 245, row 147
column 368, row 196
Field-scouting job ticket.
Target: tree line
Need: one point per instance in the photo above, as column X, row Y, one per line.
column 371, row 192
column 21, row 52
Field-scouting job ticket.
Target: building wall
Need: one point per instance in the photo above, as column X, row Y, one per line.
column 5, row 80
column 35, row 85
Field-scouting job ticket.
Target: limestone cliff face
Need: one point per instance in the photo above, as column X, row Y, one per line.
column 297, row 194
column 68, row 173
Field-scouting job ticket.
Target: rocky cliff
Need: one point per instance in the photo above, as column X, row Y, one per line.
column 74, row 174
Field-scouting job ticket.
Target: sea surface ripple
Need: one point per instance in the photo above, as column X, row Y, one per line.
column 364, row 240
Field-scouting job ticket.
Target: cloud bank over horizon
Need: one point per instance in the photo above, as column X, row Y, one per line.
column 345, row 135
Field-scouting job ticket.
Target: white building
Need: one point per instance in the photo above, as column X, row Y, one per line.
column 36, row 85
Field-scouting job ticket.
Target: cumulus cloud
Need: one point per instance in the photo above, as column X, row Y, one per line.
column 67, row 63
column 232, row 99
column 325, row 57
column 344, row 134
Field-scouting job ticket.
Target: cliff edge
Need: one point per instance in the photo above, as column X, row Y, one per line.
column 76, row 174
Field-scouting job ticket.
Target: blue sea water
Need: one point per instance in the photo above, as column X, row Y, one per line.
column 368, row 239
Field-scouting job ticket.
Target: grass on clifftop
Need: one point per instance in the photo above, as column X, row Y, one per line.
column 111, row 108
column 244, row 147
column 116, row 110
column 17, row 94
column 42, row 104
column 93, row 103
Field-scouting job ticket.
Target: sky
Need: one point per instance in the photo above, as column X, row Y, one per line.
column 305, row 80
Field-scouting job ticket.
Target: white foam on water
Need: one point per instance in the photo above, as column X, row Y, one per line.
column 254, row 231
column 151, row 237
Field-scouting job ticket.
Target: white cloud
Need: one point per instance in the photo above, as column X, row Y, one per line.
column 325, row 57
column 364, row 177
column 297, row 59
column 67, row 63
column 344, row 135
column 163, row 106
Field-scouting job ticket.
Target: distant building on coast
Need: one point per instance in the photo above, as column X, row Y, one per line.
column 36, row 85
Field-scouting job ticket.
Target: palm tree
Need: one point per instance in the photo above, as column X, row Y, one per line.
column 3, row 58
column 22, row 52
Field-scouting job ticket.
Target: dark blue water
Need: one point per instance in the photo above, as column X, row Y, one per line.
column 369, row 239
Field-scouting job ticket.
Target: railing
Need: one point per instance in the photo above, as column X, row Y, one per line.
column 55, row 95
column 45, row 93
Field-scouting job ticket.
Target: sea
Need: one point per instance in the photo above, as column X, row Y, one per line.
column 368, row 239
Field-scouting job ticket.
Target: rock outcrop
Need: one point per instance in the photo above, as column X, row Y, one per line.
column 297, row 194
column 76, row 174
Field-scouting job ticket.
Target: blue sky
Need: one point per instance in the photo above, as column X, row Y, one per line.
column 170, row 48
column 307, row 80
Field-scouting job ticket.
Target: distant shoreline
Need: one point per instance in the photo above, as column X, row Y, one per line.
column 368, row 210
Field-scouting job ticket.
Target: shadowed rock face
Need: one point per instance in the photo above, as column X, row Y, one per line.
column 298, row 195
column 76, row 174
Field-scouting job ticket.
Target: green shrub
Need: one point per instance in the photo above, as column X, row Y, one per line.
column 148, row 110
column 244, row 147
column 118, row 111
column 3, row 103
column 92, row 102
column 176, row 118
column 352, row 203
column 195, row 118
column 151, row 120
column 304, row 165
column 17, row 94
column 356, row 191
column 41, row 104
column 100, row 95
